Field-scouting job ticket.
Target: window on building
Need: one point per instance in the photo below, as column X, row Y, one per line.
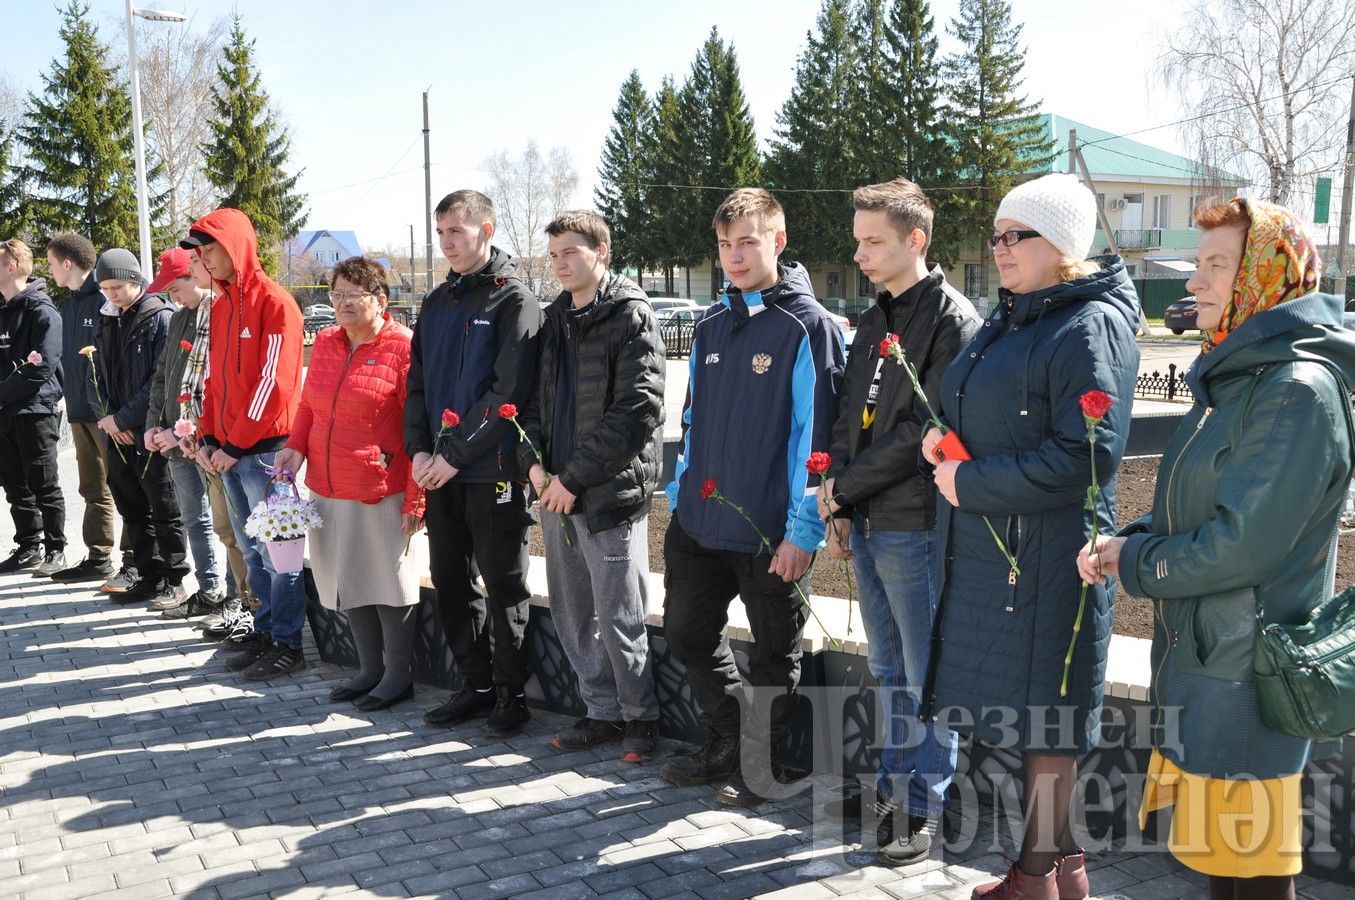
column 863, row 286
column 971, row 280
column 1101, row 201
column 1190, row 209
column 1162, row 211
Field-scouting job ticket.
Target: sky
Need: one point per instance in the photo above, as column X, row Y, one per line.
column 347, row 78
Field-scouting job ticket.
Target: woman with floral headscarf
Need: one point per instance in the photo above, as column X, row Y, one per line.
column 1243, row 522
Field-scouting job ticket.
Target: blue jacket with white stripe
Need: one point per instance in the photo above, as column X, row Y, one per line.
column 762, row 392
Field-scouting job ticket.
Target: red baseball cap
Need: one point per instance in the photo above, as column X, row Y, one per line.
column 174, row 263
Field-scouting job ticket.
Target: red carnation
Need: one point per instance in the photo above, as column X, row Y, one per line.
column 708, row 489
column 450, row 419
column 818, row 462
column 508, row 411
column 1095, row 404
column 185, row 397
column 186, row 345
column 886, row 343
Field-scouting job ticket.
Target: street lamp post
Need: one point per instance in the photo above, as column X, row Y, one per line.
column 143, row 212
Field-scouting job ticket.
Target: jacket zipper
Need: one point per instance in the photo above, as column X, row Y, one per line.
column 226, row 382
column 1157, row 602
column 1014, row 549
column 333, row 407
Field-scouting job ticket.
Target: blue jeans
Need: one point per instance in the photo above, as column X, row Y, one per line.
column 196, row 514
column 896, row 582
column 282, row 598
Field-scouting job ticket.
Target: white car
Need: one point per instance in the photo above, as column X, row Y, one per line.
column 320, row 309
column 662, row 305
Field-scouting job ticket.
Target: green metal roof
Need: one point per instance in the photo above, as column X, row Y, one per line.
column 1110, row 155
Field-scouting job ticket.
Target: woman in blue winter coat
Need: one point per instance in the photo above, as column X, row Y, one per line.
column 1064, row 326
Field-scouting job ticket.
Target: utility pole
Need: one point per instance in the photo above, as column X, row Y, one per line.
column 1075, row 155
column 1347, row 188
column 427, row 198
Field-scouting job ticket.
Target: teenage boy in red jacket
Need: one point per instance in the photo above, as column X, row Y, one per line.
column 248, row 406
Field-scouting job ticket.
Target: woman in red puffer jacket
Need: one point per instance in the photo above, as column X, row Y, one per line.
column 348, row 431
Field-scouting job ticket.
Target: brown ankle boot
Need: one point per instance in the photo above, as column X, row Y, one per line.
column 1072, row 878
column 1017, row 885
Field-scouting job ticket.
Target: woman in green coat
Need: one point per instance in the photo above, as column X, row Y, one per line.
column 1243, row 521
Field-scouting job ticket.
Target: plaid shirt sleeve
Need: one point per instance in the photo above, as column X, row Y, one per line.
column 195, row 369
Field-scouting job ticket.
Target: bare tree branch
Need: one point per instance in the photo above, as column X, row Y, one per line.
column 1264, row 69
column 528, row 192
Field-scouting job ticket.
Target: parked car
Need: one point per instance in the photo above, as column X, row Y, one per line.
column 1180, row 316
column 318, row 309
column 662, row 304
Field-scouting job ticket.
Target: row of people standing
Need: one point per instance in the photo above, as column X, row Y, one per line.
column 128, row 391
column 953, row 623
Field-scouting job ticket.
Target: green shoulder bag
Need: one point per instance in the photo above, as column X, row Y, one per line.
column 1305, row 674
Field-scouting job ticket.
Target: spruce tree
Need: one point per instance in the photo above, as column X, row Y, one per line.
column 816, row 150
column 664, row 167
column 13, row 202
column 919, row 128
column 77, row 141
column 247, row 151
column 998, row 133
column 717, row 148
column 621, row 195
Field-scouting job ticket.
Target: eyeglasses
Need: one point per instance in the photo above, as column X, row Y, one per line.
column 1010, row 238
column 355, row 296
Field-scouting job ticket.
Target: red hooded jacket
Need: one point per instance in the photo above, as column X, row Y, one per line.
column 254, row 360
column 350, row 426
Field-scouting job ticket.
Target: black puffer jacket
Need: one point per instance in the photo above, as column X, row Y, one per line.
column 129, row 347
column 618, row 407
column 28, row 322
column 881, row 481
column 80, row 328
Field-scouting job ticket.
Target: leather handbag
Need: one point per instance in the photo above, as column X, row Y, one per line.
column 1305, row 673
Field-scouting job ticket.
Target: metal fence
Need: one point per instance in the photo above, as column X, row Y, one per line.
column 677, row 338
column 1156, row 386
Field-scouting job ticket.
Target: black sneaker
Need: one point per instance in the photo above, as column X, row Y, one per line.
column 746, row 793
column 214, row 624
column 240, row 633
column 247, row 652
column 145, row 590
column 466, row 703
column 509, row 715
column 121, row 582
column 848, row 808
column 52, row 562
column 587, row 733
column 641, row 742
column 201, row 603
column 167, row 596
column 910, row 848
column 21, row 559
column 88, row 569
column 716, row 761
column 277, row 660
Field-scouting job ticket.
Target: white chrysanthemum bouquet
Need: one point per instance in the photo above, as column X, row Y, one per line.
column 282, row 521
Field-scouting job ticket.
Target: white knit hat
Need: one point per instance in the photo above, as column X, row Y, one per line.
column 1057, row 206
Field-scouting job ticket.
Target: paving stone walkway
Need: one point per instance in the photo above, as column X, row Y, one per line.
column 132, row 763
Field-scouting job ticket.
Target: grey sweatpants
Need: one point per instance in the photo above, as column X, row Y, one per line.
column 598, row 599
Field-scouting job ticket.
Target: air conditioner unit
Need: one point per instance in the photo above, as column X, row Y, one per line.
column 1119, row 203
